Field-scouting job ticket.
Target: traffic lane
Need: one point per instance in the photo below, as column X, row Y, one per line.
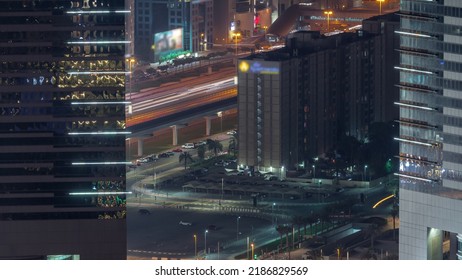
column 160, row 231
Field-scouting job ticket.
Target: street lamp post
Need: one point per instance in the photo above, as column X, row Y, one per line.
column 202, row 42
column 220, row 115
column 328, row 13
column 272, row 210
column 195, row 246
column 253, row 247
column 222, row 183
column 314, row 172
column 380, row 6
column 236, row 36
column 205, row 243
column 237, row 227
column 365, row 169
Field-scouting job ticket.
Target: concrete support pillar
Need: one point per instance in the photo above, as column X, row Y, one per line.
column 140, row 146
column 175, row 135
column 208, row 125
column 434, row 244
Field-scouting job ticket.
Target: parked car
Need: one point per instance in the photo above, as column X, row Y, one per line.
column 220, row 163
column 201, row 143
column 177, row 150
column 188, row 146
column 163, row 155
column 271, row 178
column 142, row 160
column 183, row 223
column 170, row 154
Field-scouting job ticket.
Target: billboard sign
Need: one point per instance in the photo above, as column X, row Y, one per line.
column 259, row 67
column 168, row 41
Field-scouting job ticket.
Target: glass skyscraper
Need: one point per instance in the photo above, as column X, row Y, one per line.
column 430, row 129
column 62, row 129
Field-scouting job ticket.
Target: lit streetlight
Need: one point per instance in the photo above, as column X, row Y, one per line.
column 195, row 246
column 237, row 227
column 236, row 38
column 328, row 13
column 205, row 243
column 202, row 42
column 365, row 169
column 253, row 248
column 380, row 6
column 314, row 171
column 220, row 115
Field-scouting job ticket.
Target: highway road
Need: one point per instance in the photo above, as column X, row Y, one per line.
column 160, row 235
column 158, row 102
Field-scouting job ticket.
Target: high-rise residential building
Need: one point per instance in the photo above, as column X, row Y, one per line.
column 306, row 97
column 151, row 17
column 62, row 130
column 224, row 25
column 194, row 17
column 130, row 27
column 430, row 130
column 385, row 55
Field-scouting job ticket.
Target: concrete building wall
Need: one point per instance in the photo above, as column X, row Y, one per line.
column 430, row 147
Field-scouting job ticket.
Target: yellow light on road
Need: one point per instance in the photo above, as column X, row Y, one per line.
column 382, row 200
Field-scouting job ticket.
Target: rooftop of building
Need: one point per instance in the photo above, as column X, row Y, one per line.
column 302, row 43
column 391, row 17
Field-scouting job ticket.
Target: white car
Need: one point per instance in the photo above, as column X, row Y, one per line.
column 185, row 223
column 232, row 132
column 188, row 146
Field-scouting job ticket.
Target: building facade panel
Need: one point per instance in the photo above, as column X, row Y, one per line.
column 62, row 129
column 430, row 200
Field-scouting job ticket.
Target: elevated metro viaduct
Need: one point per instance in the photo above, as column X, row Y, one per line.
column 284, row 24
column 175, row 121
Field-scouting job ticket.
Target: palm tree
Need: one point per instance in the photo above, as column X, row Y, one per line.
column 185, row 156
column 283, row 229
column 305, row 222
column 298, row 221
column 280, row 230
column 394, row 213
column 201, row 152
column 233, row 144
column 215, row 146
column 324, row 216
column 311, row 219
column 373, row 232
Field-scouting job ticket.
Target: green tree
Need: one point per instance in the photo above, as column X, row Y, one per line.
column 233, row 144
column 185, row 156
column 394, row 213
column 324, row 216
column 298, row 221
column 280, row 229
column 311, row 219
column 201, row 152
column 215, row 146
